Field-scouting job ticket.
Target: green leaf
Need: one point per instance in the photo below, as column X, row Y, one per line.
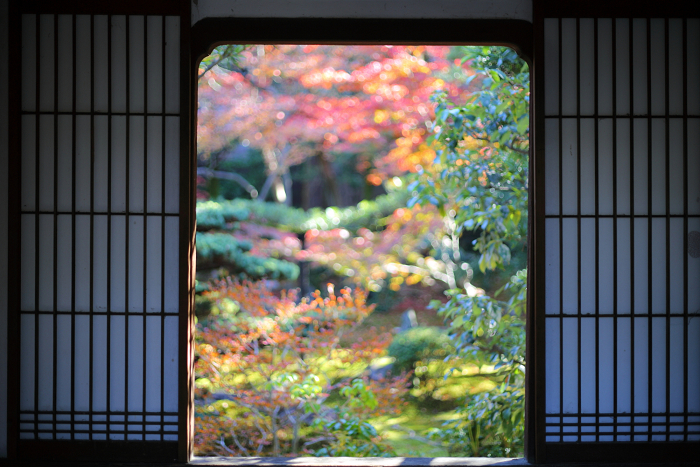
column 523, row 124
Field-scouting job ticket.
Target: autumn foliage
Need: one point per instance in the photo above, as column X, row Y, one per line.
column 272, row 374
column 294, row 102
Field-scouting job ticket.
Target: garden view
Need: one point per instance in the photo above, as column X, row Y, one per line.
column 361, row 251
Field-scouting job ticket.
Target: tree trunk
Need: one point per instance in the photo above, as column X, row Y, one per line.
column 331, row 189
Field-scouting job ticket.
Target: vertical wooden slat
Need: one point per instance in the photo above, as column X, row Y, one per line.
column 74, row 74
column 14, row 236
column 110, row 120
column 37, row 146
column 187, row 225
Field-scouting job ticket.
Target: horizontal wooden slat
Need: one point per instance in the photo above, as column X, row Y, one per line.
column 91, row 7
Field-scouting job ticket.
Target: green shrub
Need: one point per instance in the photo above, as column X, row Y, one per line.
column 216, row 214
column 419, row 344
column 368, row 214
column 223, row 250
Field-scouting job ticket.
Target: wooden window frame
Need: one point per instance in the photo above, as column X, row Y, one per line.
column 516, row 34
column 197, row 41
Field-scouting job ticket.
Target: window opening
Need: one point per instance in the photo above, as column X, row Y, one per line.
column 361, row 251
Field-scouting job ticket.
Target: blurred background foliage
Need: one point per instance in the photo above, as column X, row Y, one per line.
column 399, row 176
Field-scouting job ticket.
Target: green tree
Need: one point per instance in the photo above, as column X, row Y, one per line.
column 479, row 182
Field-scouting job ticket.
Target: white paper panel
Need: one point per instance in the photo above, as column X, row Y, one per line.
column 137, row 65
column 82, row 263
column 570, row 266
column 570, row 360
column 118, row 165
column 552, row 364
column 568, row 66
column 65, row 63
column 624, row 267
column 83, row 55
column 639, row 66
column 26, row 360
column 103, row 244
column 46, row 162
column 47, row 63
column 694, row 364
column 82, row 163
column 136, row 359
column 658, row 166
column 551, row 67
column 676, row 172
column 658, row 66
column 101, row 164
column 605, row 67
column 137, row 170
column 172, row 65
column 588, row 266
column 64, row 250
column 118, row 273
column 172, row 261
column 622, row 66
column 552, row 282
column 569, row 163
column 606, row 371
column 154, row 264
column 587, row 164
column 64, row 388
column 640, row 161
column 623, row 167
column 46, row 262
column 118, row 63
column 99, row 263
column 641, row 365
column 45, row 349
column 28, row 262
column 170, row 364
column 587, row 68
column 677, row 340
column 99, row 363
column 155, row 58
column 693, row 166
column 82, row 363
column 154, row 167
column 28, row 62
column 153, row 363
column 101, row 66
column 640, row 255
column 28, row 162
column 677, row 277
column 588, row 365
column 605, row 167
column 117, row 368
column 658, row 265
column 606, row 266
column 624, row 365
column 693, row 273
column 172, row 165
column 675, row 62
column 658, row 365
column 135, row 277
column 551, row 166
column 64, row 169
column 693, row 64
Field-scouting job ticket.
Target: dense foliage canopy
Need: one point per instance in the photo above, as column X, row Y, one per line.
column 443, row 133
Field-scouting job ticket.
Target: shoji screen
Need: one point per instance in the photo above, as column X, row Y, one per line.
column 100, row 250
column 622, row 231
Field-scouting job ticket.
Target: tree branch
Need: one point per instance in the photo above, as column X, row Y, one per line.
column 206, row 172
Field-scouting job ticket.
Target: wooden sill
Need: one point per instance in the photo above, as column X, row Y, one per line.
column 356, row 461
